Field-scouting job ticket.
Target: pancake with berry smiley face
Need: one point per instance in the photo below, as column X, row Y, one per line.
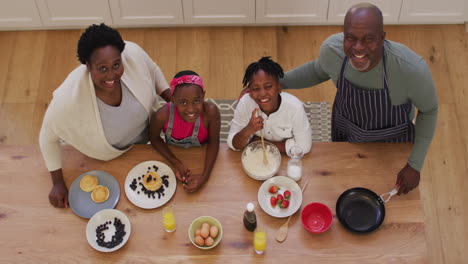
column 152, row 181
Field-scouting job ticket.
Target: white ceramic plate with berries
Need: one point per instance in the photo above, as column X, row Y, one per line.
column 143, row 198
column 108, row 230
column 280, row 196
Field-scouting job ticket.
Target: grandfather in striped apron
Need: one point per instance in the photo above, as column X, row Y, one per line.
column 368, row 107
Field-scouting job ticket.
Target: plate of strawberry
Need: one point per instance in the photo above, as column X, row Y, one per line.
column 280, row 196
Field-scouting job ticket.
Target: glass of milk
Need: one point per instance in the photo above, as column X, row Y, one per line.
column 294, row 170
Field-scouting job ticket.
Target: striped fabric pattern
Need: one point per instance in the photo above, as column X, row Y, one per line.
column 368, row 115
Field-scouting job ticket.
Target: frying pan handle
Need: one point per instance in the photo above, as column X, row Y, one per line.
column 390, row 194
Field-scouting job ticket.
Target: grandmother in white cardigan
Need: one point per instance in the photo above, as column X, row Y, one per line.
column 103, row 106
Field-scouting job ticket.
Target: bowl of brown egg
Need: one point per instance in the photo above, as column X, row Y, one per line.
column 205, row 232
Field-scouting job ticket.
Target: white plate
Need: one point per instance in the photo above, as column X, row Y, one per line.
column 102, row 217
column 142, row 200
column 81, row 202
column 284, row 183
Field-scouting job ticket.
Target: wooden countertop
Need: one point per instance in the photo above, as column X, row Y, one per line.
column 31, row 230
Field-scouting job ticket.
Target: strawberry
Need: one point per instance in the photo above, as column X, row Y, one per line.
column 279, row 199
column 287, row 194
column 284, row 204
column 273, row 201
column 274, row 189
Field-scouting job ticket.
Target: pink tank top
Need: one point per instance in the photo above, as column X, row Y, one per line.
column 182, row 129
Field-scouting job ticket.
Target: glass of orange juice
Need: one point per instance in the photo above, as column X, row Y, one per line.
column 260, row 239
column 168, row 219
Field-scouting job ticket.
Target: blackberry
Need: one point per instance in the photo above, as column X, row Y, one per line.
column 165, row 182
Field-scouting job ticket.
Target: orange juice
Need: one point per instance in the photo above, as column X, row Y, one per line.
column 260, row 240
column 169, row 219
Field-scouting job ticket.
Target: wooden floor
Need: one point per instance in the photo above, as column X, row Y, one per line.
column 34, row 63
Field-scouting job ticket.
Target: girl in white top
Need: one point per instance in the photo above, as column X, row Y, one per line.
column 281, row 115
column 103, row 106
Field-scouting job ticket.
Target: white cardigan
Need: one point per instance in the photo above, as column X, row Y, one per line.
column 73, row 114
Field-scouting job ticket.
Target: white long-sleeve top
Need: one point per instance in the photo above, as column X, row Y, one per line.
column 73, row 114
column 288, row 123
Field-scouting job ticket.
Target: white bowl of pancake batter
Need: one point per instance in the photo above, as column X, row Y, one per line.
column 252, row 160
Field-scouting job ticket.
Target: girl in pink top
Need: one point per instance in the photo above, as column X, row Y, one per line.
column 187, row 121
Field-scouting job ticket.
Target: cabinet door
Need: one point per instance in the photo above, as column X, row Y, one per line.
column 19, row 14
column 73, row 13
column 433, row 11
column 219, row 11
column 146, row 12
column 292, row 11
column 338, row 8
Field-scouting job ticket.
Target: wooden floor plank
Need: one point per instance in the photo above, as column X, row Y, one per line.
column 60, row 58
column 226, row 61
column 24, row 70
column 7, row 40
column 161, row 46
column 16, row 120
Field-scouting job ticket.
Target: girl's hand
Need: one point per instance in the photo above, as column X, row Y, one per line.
column 194, row 182
column 256, row 121
column 181, row 172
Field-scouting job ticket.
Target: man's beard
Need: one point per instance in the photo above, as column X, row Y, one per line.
column 361, row 69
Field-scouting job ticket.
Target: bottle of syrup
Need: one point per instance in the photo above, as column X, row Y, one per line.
column 250, row 219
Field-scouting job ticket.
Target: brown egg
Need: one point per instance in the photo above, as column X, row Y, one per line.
column 214, row 231
column 205, row 232
column 205, row 225
column 199, row 241
column 197, row 232
column 209, row 242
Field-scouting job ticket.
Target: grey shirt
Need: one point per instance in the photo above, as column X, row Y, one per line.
column 408, row 75
column 125, row 124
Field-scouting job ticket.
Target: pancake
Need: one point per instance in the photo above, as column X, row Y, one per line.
column 152, row 181
column 88, row 183
column 100, row 194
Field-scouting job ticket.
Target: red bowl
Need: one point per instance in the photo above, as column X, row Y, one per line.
column 316, row 218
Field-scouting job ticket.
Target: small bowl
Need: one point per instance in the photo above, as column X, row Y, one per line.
column 316, row 218
column 253, row 155
column 197, row 223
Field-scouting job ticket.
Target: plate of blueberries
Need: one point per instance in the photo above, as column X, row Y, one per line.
column 108, row 230
column 145, row 175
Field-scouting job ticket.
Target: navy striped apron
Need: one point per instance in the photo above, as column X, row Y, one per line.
column 188, row 142
column 368, row 115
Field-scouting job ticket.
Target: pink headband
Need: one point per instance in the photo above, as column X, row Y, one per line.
column 186, row 79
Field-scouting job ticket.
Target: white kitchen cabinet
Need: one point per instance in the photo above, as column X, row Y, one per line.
column 146, row 12
column 19, row 14
column 215, row 12
column 337, row 10
column 433, row 11
column 291, row 12
column 73, row 13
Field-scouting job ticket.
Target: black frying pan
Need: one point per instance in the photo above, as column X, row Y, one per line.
column 361, row 210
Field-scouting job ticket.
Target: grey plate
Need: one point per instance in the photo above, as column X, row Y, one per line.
column 81, row 202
